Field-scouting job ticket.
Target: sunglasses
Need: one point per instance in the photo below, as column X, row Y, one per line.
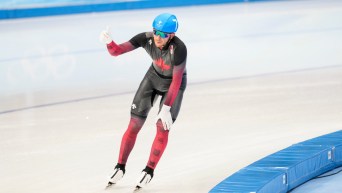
column 161, row 34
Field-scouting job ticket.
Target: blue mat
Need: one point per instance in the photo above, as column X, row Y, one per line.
column 287, row 168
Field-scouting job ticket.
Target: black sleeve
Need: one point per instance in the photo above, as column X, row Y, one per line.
column 180, row 54
column 139, row 40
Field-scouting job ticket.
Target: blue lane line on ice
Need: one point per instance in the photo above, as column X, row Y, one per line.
column 216, row 38
column 266, row 74
column 51, row 55
column 65, row 102
column 131, row 92
column 102, row 6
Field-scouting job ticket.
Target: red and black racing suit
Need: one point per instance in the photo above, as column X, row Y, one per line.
column 166, row 77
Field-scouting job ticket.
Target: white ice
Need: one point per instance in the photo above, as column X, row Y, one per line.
column 262, row 76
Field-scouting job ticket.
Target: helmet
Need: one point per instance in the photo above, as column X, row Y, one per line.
column 165, row 22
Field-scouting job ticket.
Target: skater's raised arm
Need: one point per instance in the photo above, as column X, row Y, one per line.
column 113, row 48
column 116, row 50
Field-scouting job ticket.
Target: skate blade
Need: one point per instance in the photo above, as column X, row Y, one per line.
column 110, row 184
column 137, row 189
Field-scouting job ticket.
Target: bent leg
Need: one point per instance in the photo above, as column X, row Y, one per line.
column 142, row 103
column 158, row 146
column 129, row 138
column 162, row 136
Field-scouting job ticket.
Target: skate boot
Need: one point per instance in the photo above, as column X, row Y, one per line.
column 117, row 175
column 145, row 178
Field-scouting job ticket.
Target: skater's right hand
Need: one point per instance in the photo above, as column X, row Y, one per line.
column 165, row 117
column 105, row 36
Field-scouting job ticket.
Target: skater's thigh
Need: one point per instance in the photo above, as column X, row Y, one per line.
column 176, row 106
column 143, row 99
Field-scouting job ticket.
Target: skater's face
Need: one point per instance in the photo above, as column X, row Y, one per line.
column 161, row 38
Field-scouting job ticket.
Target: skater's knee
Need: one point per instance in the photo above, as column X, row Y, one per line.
column 135, row 124
column 160, row 128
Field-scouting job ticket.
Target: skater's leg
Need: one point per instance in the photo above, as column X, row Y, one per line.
column 162, row 136
column 129, row 138
column 159, row 143
column 158, row 146
column 142, row 103
column 127, row 144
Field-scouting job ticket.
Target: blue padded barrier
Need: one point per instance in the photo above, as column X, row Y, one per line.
column 337, row 155
column 332, row 140
column 299, row 162
column 287, row 168
column 249, row 180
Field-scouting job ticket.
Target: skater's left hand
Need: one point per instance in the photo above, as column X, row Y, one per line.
column 165, row 117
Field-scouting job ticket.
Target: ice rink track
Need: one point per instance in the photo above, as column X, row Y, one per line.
column 262, row 76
